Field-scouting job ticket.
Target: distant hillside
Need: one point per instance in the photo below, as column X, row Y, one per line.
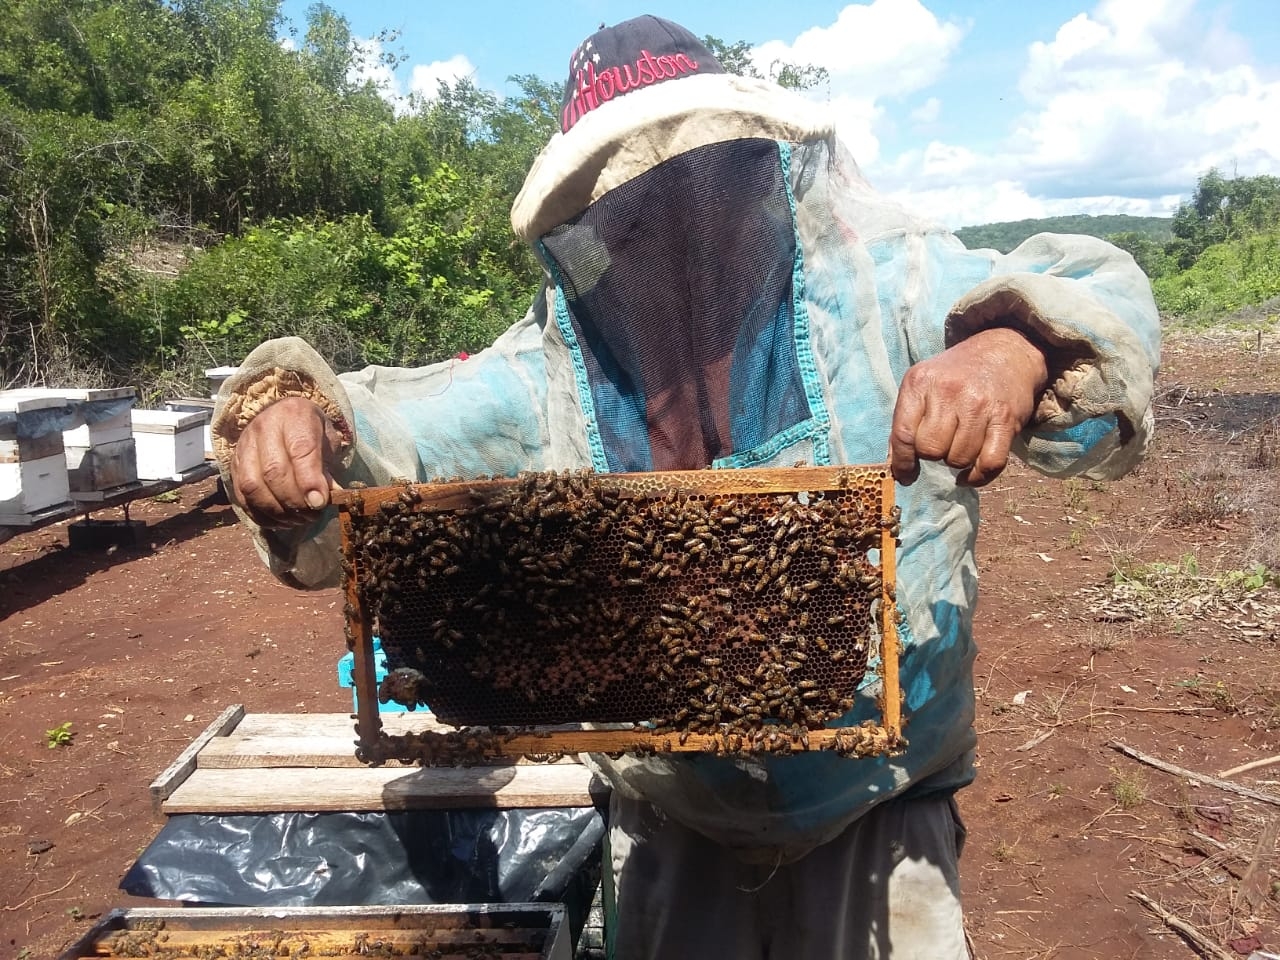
column 1005, row 236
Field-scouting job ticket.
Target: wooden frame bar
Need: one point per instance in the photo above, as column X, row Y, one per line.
column 520, row 931
column 481, row 745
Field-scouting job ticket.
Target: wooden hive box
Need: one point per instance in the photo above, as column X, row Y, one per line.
column 96, row 438
column 33, row 466
column 533, row 931
column 170, row 442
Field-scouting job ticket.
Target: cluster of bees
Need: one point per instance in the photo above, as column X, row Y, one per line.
column 569, row 597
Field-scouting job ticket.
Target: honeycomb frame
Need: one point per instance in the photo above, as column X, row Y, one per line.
column 730, row 611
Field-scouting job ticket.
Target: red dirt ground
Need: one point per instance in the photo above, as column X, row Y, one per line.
column 1131, row 611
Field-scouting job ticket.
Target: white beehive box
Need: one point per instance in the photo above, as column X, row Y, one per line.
column 217, row 376
column 169, row 443
column 33, row 468
column 101, row 413
column 197, row 405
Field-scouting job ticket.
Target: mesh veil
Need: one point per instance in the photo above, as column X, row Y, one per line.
column 680, row 289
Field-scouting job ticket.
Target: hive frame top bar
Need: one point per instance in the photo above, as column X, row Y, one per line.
column 449, row 494
column 460, row 495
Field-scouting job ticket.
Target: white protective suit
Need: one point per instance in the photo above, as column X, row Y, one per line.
column 855, row 291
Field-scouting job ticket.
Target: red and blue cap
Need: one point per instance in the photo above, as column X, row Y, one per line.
column 632, row 55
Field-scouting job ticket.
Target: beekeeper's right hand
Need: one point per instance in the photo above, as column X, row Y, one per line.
column 281, row 466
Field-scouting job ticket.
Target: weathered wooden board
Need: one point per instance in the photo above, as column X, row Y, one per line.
column 181, row 768
column 336, row 726
column 277, row 762
column 297, row 789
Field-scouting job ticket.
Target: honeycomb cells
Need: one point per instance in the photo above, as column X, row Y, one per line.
column 559, row 598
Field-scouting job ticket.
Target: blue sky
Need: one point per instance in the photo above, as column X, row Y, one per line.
column 967, row 111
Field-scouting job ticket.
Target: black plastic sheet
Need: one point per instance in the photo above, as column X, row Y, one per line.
column 344, row 858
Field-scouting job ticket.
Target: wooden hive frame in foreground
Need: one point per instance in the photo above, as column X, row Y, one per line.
column 732, row 611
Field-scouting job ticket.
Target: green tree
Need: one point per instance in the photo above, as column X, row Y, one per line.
column 1223, row 209
column 736, row 58
column 1146, row 250
column 1226, row 278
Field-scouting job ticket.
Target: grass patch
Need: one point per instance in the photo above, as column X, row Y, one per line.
column 1127, row 789
column 1003, row 851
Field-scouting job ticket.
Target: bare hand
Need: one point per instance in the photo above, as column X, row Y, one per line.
column 965, row 406
column 280, row 467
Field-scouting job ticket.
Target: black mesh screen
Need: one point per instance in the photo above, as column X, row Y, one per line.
column 679, row 285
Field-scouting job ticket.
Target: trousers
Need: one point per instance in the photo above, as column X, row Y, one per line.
column 887, row 887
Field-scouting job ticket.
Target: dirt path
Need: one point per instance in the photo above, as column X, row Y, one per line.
column 1132, row 611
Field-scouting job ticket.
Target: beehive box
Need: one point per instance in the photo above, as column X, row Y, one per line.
column 734, row 611
column 33, row 468
column 99, row 414
column 103, row 467
column 106, row 415
column 447, row 932
column 197, row 405
column 217, row 376
column 169, row 443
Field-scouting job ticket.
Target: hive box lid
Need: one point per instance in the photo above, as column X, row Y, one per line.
column 168, row 421
column 83, row 394
column 24, row 401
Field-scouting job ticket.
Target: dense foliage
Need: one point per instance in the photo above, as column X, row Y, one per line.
column 177, row 183
column 1225, row 254
column 1008, row 234
column 1218, row 256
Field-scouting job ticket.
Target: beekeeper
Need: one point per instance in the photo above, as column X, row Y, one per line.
column 723, row 288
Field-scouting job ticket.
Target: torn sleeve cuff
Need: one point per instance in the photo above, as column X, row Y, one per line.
column 1094, row 416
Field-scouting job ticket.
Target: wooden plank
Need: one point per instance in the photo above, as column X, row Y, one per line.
column 891, row 695
column 237, row 752
column 13, row 524
column 267, row 752
column 248, row 941
column 24, row 522
column 163, row 786
column 337, row 726
column 271, row 740
column 380, row 788
column 300, row 724
column 471, row 952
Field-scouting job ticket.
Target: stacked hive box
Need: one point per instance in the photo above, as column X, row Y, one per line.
column 216, row 376
column 101, row 455
column 97, row 441
column 33, row 468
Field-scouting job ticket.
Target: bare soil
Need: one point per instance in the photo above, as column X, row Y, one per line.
column 1130, row 613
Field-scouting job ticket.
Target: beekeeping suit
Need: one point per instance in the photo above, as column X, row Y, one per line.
column 723, row 288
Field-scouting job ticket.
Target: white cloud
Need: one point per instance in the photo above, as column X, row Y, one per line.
column 998, row 200
column 856, row 120
column 1126, row 106
column 424, row 79
column 872, row 52
column 1128, row 98
column 367, row 65
column 885, row 48
column 928, row 112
